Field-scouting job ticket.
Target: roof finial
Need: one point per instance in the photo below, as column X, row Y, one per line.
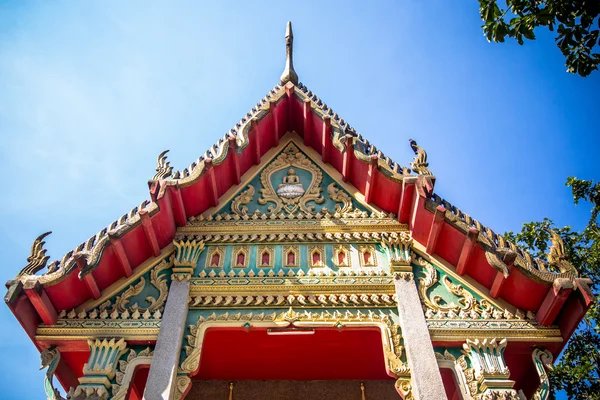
column 289, row 75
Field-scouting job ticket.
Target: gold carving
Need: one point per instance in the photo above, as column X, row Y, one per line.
column 404, row 388
column 316, row 256
column 163, row 168
column 182, row 384
column 37, row 257
column 291, row 256
column 291, row 157
column 240, row 257
column 215, row 257
column 187, row 253
column 126, row 370
column 367, row 256
column 467, row 307
column 265, row 257
column 419, row 164
column 238, row 204
column 397, row 246
column 280, row 300
column 158, row 281
column 339, row 196
column 342, row 256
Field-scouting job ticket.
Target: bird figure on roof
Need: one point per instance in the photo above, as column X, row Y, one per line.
column 37, row 259
column 419, row 164
column 163, row 168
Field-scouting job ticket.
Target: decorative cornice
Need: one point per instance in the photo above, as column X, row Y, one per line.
column 498, row 249
column 300, row 300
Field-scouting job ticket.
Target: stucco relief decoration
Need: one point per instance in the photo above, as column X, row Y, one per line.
column 288, row 192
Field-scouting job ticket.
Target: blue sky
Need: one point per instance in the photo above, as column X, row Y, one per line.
column 92, row 91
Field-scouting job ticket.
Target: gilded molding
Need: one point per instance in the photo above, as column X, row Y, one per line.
column 367, row 255
column 342, row 256
column 398, row 249
column 126, row 370
column 260, row 257
column 391, row 336
column 280, row 300
column 187, row 252
column 316, row 256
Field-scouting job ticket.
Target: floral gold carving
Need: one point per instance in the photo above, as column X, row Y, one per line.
column 339, row 196
column 157, row 280
column 238, row 205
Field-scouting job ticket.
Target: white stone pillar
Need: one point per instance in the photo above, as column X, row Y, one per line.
column 426, row 380
column 163, row 371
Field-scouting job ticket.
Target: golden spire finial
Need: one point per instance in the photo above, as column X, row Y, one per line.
column 289, row 75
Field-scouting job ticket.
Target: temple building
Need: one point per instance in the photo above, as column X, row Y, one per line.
column 294, row 260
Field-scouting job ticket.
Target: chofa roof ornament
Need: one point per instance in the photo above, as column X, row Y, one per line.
column 163, row 168
column 289, row 75
column 37, row 259
column 419, row 164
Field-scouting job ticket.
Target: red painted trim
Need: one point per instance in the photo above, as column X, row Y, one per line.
column 177, row 206
column 467, row 249
column 211, row 183
column 346, row 159
column 371, row 180
column 436, row 229
column 325, row 139
column 307, row 111
column 497, row 285
column 237, row 177
column 42, row 304
column 256, row 137
column 275, row 123
column 583, row 285
column 121, row 256
column 406, row 202
column 554, row 301
column 149, row 232
column 89, row 280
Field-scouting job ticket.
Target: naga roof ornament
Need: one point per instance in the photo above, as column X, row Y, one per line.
column 289, row 75
column 37, row 259
column 163, row 168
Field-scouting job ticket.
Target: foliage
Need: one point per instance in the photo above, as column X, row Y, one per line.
column 577, row 22
column 578, row 370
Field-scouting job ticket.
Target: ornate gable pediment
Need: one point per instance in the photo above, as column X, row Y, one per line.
column 291, row 183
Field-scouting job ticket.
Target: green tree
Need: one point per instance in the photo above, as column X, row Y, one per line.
column 578, row 370
column 577, row 25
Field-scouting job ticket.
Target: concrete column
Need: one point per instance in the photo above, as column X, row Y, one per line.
column 426, row 380
column 163, row 371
